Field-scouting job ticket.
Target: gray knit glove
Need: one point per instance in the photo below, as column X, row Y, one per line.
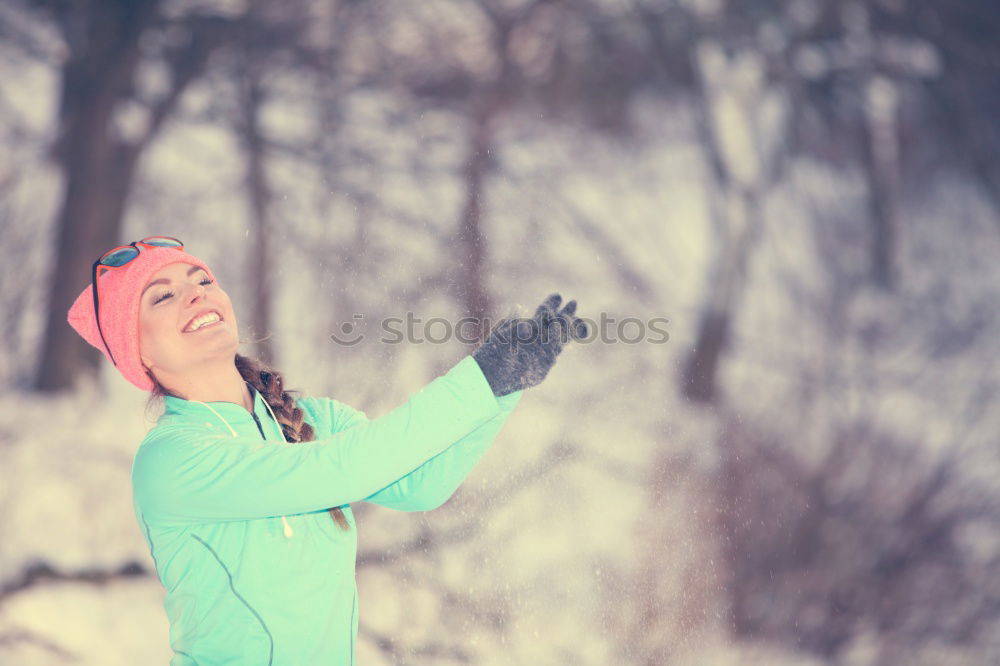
column 519, row 352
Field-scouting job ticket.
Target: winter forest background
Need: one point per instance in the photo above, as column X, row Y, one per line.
column 804, row 472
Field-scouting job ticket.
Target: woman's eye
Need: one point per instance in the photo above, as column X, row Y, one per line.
column 163, row 297
column 167, row 294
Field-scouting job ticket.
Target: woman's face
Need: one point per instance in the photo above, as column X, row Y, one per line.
column 174, row 300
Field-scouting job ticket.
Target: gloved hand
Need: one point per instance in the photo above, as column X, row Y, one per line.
column 518, row 353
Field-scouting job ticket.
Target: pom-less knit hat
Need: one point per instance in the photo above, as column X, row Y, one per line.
column 119, row 296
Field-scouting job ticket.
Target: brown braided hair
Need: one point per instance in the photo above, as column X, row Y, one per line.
column 267, row 381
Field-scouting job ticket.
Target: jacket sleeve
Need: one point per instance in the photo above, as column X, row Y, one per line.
column 184, row 474
column 433, row 483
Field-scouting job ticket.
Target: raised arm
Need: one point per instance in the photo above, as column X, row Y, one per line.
column 187, row 475
column 433, row 483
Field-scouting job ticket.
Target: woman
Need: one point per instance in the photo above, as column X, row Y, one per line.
column 243, row 491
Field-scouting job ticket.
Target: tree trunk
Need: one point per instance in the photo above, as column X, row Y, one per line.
column 472, row 246
column 736, row 219
column 881, row 166
column 97, row 172
column 98, row 166
column 259, row 199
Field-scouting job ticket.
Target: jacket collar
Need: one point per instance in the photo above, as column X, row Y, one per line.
column 182, row 407
column 232, row 416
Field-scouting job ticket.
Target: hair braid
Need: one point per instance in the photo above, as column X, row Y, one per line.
column 267, row 381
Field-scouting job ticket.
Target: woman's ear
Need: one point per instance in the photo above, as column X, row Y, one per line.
column 149, row 371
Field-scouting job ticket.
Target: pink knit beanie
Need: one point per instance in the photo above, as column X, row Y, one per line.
column 119, row 296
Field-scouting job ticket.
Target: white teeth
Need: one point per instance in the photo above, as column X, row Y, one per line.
column 209, row 318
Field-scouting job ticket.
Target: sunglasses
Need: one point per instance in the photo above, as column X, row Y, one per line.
column 119, row 258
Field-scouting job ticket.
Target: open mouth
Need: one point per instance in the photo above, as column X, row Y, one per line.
column 209, row 319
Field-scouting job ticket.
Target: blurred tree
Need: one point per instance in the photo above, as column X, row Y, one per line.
column 856, row 80
column 251, row 99
column 271, row 40
column 109, row 116
column 562, row 61
column 872, row 535
column 960, row 101
column 852, row 78
column 485, row 90
column 714, row 60
column 106, row 121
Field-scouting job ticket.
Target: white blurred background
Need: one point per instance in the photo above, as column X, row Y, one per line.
column 803, row 471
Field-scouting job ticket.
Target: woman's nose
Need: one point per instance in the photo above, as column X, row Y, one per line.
column 197, row 291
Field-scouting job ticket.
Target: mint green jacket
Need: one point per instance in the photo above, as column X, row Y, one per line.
column 256, row 570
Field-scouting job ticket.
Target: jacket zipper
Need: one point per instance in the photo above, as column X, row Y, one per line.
column 259, row 427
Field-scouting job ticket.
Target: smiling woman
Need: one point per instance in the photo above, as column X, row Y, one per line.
column 196, row 363
column 243, row 529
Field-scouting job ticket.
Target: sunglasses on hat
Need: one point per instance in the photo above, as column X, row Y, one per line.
column 119, row 258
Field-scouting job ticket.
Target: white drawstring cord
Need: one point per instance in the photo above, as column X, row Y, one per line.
column 288, row 528
column 219, row 415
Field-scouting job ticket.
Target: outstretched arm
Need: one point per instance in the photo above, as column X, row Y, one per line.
column 185, row 474
column 434, row 482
